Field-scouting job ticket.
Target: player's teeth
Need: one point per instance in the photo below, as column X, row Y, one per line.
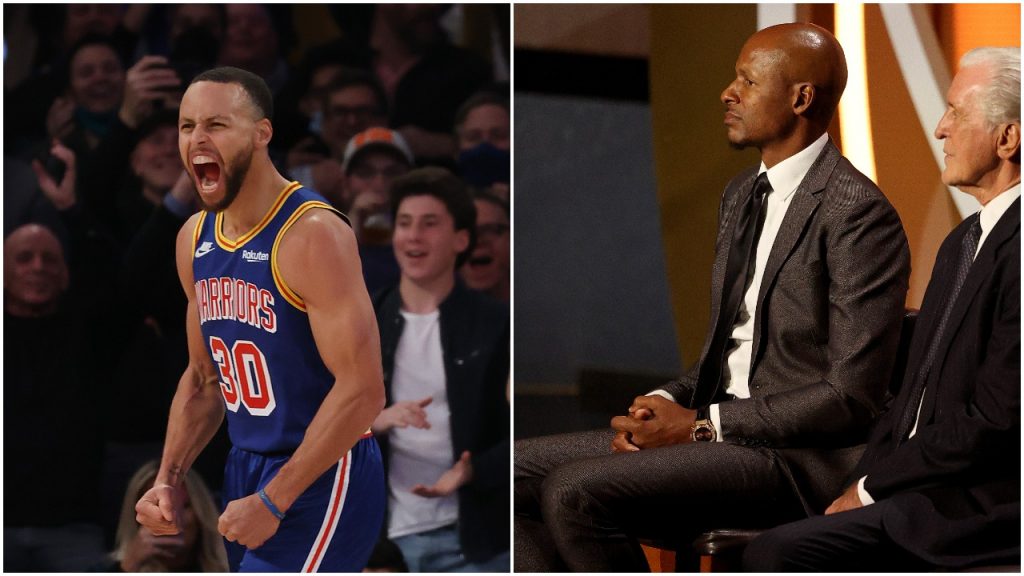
column 202, row 160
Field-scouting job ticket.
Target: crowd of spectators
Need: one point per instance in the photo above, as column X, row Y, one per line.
column 95, row 192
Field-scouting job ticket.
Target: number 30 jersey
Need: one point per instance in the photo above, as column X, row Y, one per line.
column 256, row 329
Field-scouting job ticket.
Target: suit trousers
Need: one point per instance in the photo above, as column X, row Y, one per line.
column 581, row 507
column 851, row 541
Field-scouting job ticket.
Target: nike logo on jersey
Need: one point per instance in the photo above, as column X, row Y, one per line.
column 204, row 249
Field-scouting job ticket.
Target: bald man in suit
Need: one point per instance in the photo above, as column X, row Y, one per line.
column 808, row 288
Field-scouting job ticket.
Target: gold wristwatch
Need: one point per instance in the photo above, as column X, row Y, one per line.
column 703, row 429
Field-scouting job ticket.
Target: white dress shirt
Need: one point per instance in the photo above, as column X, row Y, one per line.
column 988, row 217
column 785, row 177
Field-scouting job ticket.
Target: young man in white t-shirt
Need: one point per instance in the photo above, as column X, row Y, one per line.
column 446, row 354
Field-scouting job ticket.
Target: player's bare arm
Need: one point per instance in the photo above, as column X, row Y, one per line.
column 318, row 260
column 196, row 411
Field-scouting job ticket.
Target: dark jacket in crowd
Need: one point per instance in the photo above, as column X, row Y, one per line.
column 53, row 443
column 475, row 348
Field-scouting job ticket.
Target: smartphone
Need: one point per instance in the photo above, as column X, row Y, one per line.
column 53, row 166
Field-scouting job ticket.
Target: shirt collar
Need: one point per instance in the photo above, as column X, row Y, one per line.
column 996, row 207
column 787, row 175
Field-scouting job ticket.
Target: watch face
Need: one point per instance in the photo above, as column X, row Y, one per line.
column 703, row 431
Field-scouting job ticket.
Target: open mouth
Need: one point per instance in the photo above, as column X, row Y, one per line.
column 207, row 172
column 481, row 261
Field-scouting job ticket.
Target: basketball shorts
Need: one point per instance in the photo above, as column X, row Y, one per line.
column 332, row 527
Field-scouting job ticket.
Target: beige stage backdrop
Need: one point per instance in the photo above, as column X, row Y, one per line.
column 691, row 50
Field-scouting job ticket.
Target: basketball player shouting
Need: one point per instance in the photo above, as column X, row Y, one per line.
column 281, row 333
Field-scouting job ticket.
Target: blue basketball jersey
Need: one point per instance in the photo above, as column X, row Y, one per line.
column 256, row 328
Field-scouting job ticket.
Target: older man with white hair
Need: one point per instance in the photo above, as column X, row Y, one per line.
column 939, row 483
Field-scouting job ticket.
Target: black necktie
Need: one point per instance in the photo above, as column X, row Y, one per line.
column 968, row 246
column 739, row 269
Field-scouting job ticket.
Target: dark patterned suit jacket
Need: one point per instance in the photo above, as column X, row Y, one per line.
column 955, row 486
column 827, row 326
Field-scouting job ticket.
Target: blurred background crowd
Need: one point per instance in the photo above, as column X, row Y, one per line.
column 95, row 192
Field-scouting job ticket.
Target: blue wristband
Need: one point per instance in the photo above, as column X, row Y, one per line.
column 270, row 505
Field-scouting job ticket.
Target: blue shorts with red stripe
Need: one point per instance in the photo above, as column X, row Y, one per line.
column 332, row 527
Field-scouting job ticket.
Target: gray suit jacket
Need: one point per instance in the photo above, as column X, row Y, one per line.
column 826, row 330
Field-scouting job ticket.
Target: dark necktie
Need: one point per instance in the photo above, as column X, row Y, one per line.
column 739, row 270
column 968, row 246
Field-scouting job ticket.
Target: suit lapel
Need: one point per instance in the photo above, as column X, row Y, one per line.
column 923, row 328
column 930, row 312
column 981, row 270
column 805, row 202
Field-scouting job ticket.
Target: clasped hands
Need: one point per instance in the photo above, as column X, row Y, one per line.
column 652, row 421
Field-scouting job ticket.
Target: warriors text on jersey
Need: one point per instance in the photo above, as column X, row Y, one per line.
column 274, row 382
column 256, row 329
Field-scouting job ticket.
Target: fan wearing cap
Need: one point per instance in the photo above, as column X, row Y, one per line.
column 373, row 159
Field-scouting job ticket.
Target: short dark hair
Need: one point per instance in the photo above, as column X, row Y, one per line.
column 254, row 86
column 490, row 198
column 446, row 187
column 477, row 100
column 352, row 77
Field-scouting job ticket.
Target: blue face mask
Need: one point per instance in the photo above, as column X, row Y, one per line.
column 316, row 123
column 99, row 123
column 483, row 165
